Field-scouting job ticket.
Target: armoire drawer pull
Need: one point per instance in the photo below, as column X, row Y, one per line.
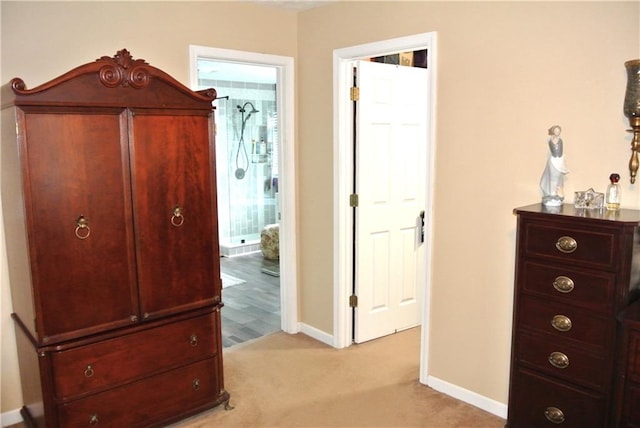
column 88, row 372
column 193, row 340
column 563, row 284
column 561, row 323
column 554, row 415
column 559, row 360
column 566, row 244
column 93, row 419
column 195, row 384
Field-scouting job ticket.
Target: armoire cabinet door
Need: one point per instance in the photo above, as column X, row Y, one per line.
column 173, row 204
column 78, row 212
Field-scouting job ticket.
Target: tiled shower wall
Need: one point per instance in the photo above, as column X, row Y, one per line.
column 245, row 205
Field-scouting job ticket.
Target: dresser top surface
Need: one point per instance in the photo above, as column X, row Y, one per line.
column 569, row 211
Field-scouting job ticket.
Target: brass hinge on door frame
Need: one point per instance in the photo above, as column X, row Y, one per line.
column 353, row 200
column 353, row 301
column 355, row 93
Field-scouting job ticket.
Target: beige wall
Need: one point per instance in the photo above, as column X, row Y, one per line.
column 506, row 72
column 41, row 40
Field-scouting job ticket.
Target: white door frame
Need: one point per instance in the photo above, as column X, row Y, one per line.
column 343, row 173
column 286, row 180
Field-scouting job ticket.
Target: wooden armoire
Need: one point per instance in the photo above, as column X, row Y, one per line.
column 109, row 205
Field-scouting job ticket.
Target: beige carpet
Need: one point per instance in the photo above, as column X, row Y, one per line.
column 286, row 380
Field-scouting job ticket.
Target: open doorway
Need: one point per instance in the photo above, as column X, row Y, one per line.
column 343, row 177
column 256, row 188
column 247, row 175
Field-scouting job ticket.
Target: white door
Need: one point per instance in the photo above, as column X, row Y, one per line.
column 391, row 181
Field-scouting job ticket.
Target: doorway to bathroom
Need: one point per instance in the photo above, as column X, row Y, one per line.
column 254, row 168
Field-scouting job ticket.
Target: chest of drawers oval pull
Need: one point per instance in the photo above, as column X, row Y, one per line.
column 566, row 244
column 559, row 360
column 554, row 415
column 563, row 284
column 561, row 323
column 93, row 419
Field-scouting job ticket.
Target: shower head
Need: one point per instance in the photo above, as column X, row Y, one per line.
column 243, row 109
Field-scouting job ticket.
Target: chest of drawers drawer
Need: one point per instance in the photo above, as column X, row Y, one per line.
column 566, row 323
column 633, row 361
column 97, row 366
column 584, row 288
column 541, row 402
column 143, row 403
column 630, row 367
column 592, row 247
column 632, row 406
column 562, row 360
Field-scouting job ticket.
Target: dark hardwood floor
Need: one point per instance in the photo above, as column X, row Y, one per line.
column 251, row 308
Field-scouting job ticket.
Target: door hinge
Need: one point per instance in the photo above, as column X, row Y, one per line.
column 353, row 200
column 353, row 301
column 355, row 93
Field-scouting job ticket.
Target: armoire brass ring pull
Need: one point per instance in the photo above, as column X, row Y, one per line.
column 566, row 244
column 193, row 340
column 177, row 219
column 88, row 372
column 82, row 227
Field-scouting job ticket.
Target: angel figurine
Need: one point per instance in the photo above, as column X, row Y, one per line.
column 552, row 181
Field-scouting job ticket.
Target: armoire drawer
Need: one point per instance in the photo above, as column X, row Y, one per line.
column 144, row 403
column 589, row 289
column 563, row 361
column 101, row 365
column 593, row 247
column 565, row 322
column 543, row 402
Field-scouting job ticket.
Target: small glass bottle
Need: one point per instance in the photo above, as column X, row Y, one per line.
column 612, row 197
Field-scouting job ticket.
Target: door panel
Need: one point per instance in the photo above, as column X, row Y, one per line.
column 77, row 165
column 380, row 298
column 172, row 163
column 391, row 154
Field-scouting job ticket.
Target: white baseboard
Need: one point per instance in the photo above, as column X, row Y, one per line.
column 11, row 417
column 318, row 335
column 469, row 397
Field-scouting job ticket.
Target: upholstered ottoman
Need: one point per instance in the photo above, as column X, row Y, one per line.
column 270, row 241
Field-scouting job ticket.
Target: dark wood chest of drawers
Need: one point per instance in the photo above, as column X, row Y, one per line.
column 629, row 388
column 575, row 271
